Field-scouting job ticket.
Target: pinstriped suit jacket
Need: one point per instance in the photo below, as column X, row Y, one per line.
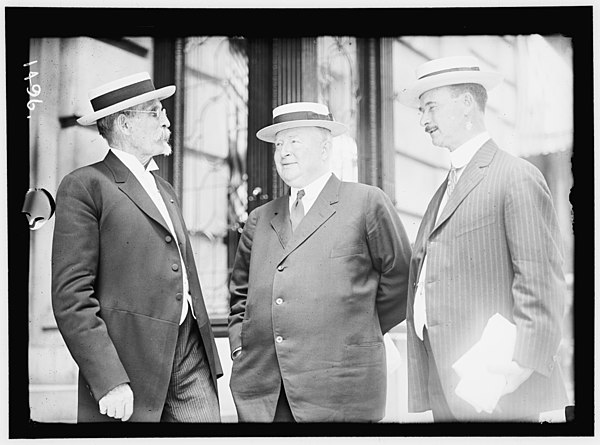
column 496, row 247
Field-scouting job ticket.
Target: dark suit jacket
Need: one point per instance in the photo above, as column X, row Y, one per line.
column 496, row 247
column 330, row 291
column 117, row 286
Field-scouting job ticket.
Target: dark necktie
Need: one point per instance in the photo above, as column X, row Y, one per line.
column 297, row 212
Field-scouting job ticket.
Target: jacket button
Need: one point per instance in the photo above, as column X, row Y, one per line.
column 178, row 297
column 168, row 239
column 175, row 267
column 279, row 301
column 279, row 339
column 280, row 268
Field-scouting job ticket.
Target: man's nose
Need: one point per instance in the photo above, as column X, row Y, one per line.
column 285, row 149
column 424, row 119
column 164, row 119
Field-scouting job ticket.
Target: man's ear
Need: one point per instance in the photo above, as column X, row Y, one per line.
column 468, row 101
column 122, row 124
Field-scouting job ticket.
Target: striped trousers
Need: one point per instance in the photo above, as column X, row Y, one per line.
column 191, row 396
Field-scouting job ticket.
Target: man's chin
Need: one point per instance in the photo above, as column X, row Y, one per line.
column 436, row 142
column 167, row 150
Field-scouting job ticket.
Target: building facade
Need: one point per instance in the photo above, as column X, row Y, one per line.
column 226, row 90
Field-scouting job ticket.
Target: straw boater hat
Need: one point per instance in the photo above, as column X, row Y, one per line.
column 448, row 71
column 121, row 94
column 300, row 114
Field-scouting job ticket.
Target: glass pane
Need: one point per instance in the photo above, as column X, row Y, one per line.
column 214, row 156
column 338, row 86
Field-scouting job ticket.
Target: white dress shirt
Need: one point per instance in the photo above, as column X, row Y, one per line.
column 146, row 179
column 311, row 192
column 459, row 159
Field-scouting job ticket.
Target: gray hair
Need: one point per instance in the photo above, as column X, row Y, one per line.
column 325, row 134
column 477, row 91
column 106, row 125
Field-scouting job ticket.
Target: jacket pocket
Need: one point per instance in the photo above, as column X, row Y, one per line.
column 347, row 251
column 476, row 224
column 364, row 354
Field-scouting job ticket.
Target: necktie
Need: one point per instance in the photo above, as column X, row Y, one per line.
column 451, row 181
column 297, row 212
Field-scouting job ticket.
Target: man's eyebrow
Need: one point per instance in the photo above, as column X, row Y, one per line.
column 288, row 136
column 431, row 102
column 154, row 106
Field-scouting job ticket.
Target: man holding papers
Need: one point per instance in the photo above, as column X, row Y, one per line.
column 486, row 287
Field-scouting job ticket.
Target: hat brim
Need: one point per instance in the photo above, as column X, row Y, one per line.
column 410, row 96
column 161, row 93
column 268, row 134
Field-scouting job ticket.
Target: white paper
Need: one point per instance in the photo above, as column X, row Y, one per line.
column 478, row 386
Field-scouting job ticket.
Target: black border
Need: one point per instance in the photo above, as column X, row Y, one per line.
column 23, row 23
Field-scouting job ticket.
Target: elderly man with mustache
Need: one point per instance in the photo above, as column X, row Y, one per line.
column 125, row 290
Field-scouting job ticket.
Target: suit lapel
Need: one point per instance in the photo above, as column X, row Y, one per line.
column 129, row 185
column 420, row 248
column 320, row 212
column 281, row 220
column 174, row 213
column 474, row 173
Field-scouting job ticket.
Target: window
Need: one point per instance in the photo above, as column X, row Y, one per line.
column 214, row 196
column 338, row 87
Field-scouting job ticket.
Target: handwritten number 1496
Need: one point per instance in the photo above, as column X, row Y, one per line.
column 35, row 88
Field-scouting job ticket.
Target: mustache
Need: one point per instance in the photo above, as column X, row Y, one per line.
column 163, row 134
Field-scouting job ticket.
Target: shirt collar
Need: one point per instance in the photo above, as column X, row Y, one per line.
column 313, row 189
column 463, row 154
column 133, row 163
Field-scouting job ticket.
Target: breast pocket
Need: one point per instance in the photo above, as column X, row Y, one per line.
column 475, row 224
column 339, row 252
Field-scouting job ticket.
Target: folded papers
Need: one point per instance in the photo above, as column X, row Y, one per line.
column 478, row 385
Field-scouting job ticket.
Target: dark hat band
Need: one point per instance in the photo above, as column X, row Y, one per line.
column 302, row 115
column 122, row 94
column 450, row 70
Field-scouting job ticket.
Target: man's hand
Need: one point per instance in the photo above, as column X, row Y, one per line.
column 514, row 374
column 118, row 403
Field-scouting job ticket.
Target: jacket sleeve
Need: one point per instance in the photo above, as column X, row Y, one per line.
column 75, row 252
column 390, row 254
column 238, row 285
column 538, row 287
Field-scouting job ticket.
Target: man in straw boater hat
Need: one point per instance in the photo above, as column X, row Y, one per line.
column 319, row 276
column 487, row 258
column 125, row 289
